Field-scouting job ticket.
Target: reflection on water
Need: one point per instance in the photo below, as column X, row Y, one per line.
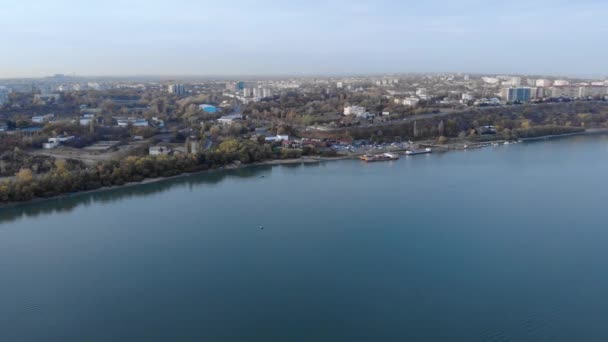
column 70, row 202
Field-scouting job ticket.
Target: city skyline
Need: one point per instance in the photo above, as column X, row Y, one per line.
column 317, row 38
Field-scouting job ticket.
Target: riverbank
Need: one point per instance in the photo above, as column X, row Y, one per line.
column 303, row 160
column 590, row 131
column 234, row 166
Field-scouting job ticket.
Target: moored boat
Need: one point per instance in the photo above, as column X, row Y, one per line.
column 421, row 151
column 379, row 157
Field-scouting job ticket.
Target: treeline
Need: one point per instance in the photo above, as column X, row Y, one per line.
column 66, row 178
column 510, row 122
column 13, row 161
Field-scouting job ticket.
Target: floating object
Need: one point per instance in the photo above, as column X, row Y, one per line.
column 261, row 227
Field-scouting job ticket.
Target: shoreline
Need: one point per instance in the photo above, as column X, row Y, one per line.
column 590, row 131
column 236, row 166
column 306, row 160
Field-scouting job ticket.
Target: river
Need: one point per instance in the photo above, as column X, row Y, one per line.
column 507, row 243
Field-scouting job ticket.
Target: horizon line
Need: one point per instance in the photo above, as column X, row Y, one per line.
column 270, row 75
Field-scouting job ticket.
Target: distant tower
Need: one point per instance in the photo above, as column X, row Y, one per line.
column 177, row 89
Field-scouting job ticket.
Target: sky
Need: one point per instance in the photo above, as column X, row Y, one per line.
column 302, row 37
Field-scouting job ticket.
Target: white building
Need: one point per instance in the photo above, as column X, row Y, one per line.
column 411, row 101
column 593, row 91
column 490, row 80
column 230, row 119
column 468, row 97
column 266, row 92
column 421, row 92
column 340, row 85
column 133, row 122
column 354, row 110
column 43, row 118
column 85, row 121
column 537, row 92
column 545, row 83
column 515, row 81
column 54, row 142
column 561, row 83
column 564, row 91
column 247, row 92
column 277, row 138
column 159, row 150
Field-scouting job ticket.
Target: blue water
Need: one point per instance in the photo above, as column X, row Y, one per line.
column 502, row 244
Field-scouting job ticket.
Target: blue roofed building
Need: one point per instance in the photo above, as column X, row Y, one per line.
column 207, row 108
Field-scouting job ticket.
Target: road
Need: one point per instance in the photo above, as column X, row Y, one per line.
column 442, row 114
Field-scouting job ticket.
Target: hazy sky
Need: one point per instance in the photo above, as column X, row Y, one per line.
column 185, row 37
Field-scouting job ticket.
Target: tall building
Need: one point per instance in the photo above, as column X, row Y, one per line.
column 579, row 91
column 593, row 91
column 266, row 92
column 564, row 91
column 537, row 93
column 3, row 95
column 177, row 89
column 257, row 92
column 520, row 94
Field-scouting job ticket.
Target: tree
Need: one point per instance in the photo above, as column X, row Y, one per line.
column 24, row 176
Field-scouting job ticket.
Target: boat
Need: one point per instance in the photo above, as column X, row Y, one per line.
column 422, row 151
column 379, row 157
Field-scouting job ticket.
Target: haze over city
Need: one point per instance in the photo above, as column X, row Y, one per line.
column 313, row 37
